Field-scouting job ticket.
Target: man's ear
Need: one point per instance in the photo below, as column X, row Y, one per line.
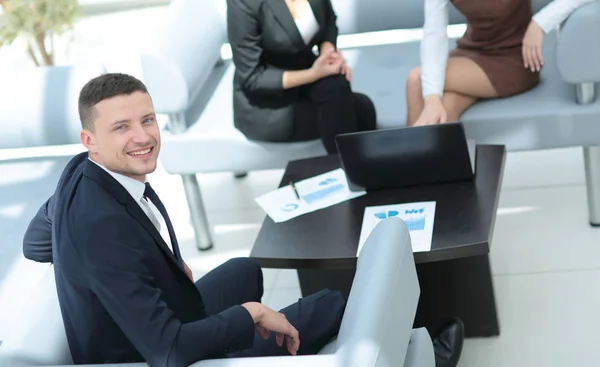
column 87, row 139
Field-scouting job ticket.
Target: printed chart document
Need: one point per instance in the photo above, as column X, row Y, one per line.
column 315, row 193
column 419, row 218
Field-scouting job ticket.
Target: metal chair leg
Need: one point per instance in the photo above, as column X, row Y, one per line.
column 203, row 236
column 586, row 94
column 591, row 156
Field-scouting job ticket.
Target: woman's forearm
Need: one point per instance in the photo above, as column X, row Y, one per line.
column 556, row 12
column 434, row 48
column 296, row 78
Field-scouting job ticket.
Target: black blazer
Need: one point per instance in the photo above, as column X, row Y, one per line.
column 266, row 42
column 123, row 296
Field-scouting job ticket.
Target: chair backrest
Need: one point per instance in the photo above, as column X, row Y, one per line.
column 180, row 56
column 38, row 105
column 39, row 337
column 380, row 313
column 360, row 16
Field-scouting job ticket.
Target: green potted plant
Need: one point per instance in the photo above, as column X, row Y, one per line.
column 36, row 23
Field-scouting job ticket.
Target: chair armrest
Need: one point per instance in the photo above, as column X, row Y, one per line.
column 578, row 48
column 287, row 361
column 38, row 336
column 420, row 351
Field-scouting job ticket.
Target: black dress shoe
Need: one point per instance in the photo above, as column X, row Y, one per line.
column 448, row 343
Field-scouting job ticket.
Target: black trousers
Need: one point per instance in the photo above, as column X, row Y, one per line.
column 316, row 317
column 328, row 107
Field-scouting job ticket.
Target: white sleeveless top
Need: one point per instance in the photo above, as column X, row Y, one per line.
column 307, row 24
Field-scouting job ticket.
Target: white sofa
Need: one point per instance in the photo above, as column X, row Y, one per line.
column 376, row 329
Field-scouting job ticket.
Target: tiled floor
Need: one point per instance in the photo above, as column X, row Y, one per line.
column 545, row 257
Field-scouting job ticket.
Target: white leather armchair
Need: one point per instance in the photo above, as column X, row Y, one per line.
column 376, row 329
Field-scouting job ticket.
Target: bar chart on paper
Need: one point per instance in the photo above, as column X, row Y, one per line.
column 314, row 193
column 419, row 218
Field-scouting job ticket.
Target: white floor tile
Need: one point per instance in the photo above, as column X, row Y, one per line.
column 281, row 298
column 544, row 230
column 234, row 233
column 269, row 278
column 546, row 320
column 287, row 278
column 266, row 295
column 553, row 167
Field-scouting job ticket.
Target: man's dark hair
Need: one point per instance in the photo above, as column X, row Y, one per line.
column 104, row 87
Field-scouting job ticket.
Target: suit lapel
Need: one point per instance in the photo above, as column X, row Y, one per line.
column 134, row 209
column 318, row 10
column 120, row 193
column 285, row 19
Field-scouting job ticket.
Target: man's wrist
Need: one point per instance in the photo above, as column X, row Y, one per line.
column 255, row 309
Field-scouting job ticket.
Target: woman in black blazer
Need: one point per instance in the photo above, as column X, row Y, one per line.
column 282, row 91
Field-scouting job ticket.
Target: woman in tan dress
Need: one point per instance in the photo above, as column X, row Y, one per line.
column 500, row 55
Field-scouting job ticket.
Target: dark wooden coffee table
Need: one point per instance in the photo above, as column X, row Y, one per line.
column 455, row 276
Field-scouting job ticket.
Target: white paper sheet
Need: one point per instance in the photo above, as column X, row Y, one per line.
column 315, row 193
column 419, row 218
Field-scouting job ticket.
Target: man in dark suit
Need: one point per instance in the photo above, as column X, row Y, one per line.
column 125, row 293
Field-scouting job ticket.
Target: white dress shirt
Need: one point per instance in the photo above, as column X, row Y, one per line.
column 136, row 189
column 434, row 46
column 307, row 23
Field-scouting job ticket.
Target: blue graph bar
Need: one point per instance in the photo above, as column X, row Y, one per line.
column 323, row 193
column 416, row 224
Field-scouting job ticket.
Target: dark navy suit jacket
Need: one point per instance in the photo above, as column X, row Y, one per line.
column 122, row 294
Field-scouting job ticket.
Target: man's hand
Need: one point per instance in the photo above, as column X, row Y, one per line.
column 532, row 47
column 188, row 271
column 267, row 320
column 433, row 112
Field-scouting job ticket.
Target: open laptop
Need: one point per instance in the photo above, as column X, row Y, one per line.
column 406, row 156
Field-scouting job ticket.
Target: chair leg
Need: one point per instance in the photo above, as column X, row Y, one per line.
column 197, row 212
column 240, row 174
column 591, row 159
column 585, row 94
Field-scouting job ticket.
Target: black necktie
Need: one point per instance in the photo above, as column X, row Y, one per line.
column 151, row 194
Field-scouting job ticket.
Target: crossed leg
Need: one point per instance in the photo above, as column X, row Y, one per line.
column 465, row 83
column 316, row 317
